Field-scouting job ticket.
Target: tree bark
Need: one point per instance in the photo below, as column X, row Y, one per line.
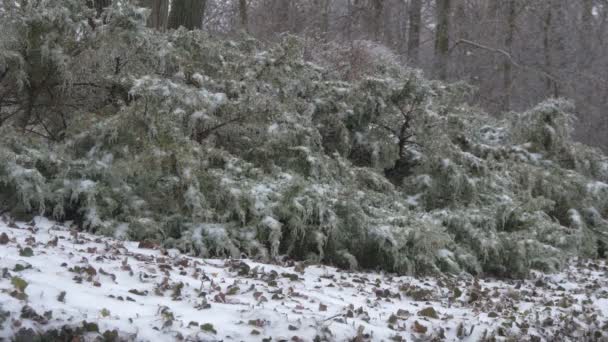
column 325, row 18
column 187, row 13
column 349, row 20
column 243, row 15
column 442, row 38
column 159, row 15
column 282, row 20
column 492, row 13
column 587, row 15
column 413, row 42
column 378, row 7
column 586, row 31
column 389, row 26
column 552, row 87
column 507, row 64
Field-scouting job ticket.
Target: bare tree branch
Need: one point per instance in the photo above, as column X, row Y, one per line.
column 509, row 57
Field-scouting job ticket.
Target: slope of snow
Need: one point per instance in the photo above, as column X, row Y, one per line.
column 53, row 277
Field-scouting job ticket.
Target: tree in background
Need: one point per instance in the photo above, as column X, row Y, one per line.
column 415, row 22
column 243, row 16
column 377, row 21
column 187, row 13
column 511, row 13
column 159, row 13
column 442, row 39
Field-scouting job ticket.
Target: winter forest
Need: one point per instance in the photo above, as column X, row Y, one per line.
column 305, row 170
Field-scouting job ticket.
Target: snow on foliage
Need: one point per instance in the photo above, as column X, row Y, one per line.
column 231, row 149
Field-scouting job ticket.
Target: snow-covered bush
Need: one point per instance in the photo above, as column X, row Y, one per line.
column 236, row 148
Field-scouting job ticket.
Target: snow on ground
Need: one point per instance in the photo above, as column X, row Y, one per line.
column 56, row 281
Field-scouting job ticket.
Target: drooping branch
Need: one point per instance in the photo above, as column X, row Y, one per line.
column 204, row 134
column 405, row 140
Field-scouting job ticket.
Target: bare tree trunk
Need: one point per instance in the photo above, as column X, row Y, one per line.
column 587, row 15
column 243, row 15
column 158, row 18
column 325, row 18
column 388, row 26
column 586, row 32
column 507, row 64
column 548, row 49
column 442, row 38
column 413, row 42
column 401, row 34
column 187, row 13
column 378, row 7
column 349, row 21
column 282, row 22
column 461, row 29
column 546, row 43
column 320, row 17
column 492, row 14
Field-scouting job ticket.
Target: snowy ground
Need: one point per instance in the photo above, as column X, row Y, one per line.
column 56, row 281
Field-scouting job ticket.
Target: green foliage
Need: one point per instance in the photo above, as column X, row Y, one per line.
column 19, row 284
column 236, row 149
column 104, row 312
column 208, row 327
column 26, row 252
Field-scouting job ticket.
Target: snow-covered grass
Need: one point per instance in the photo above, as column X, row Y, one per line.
column 54, row 277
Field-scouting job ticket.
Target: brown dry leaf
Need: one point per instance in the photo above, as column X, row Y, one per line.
column 419, row 328
column 4, row 239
